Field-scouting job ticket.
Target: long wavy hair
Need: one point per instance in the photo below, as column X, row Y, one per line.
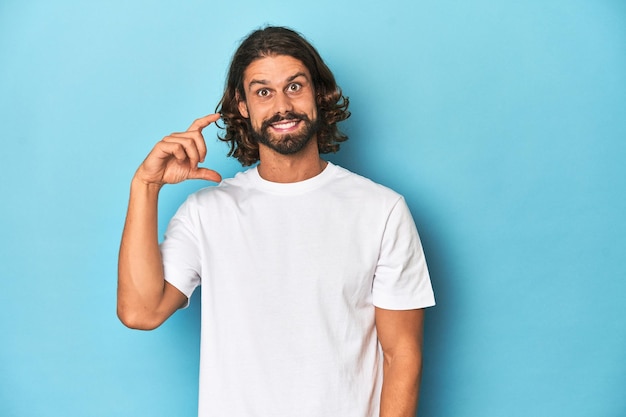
column 332, row 106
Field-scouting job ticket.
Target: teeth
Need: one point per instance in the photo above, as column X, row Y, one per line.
column 285, row 125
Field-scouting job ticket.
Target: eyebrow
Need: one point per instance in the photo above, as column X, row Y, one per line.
column 289, row 79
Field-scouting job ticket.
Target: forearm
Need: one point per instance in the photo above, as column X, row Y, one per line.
column 401, row 383
column 140, row 269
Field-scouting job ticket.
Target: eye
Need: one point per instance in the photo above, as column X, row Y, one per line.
column 263, row 92
column 294, row 87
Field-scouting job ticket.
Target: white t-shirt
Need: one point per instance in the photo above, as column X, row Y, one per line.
column 290, row 276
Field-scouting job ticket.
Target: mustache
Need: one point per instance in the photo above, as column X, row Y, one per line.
column 281, row 117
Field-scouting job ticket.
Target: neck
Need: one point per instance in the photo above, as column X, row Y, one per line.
column 276, row 167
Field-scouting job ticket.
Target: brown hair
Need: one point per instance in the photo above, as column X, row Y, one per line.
column 332, row 106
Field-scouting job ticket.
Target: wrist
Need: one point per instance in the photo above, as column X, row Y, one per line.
column 140, row 185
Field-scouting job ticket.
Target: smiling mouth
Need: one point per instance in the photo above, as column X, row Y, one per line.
column 285, row 125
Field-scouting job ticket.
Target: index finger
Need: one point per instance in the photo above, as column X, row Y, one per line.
column 203, row 122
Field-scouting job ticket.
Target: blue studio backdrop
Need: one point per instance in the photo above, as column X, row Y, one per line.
column 502, row 122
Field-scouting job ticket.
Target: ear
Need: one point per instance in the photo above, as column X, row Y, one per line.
column 241, row 105
column 243, row 108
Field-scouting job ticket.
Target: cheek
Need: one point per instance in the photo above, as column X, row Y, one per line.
column 256, row 119
column 308, row 105
column 253, row 114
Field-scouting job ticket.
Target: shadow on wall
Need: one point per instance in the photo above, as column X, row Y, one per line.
column 438, row 321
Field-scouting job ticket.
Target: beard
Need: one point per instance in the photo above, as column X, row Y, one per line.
column 286, row 144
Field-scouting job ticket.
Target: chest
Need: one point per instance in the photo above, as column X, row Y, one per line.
column 292, row 248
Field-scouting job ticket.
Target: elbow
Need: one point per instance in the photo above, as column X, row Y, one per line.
column 134, row 320
column 409, row 362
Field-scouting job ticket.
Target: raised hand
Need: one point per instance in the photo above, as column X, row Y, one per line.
column 176, row 157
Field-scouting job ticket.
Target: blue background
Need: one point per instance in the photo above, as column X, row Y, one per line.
column 502, row 122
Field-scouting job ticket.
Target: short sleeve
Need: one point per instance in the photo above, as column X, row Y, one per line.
column 401, row 280
column 180, row 251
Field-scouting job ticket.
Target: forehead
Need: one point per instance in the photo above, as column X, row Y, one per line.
column 274, row 69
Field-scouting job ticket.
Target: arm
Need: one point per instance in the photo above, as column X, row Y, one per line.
column 144, row 299
column 400, row 333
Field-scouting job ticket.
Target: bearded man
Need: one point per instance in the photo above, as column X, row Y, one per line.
column 313, row 279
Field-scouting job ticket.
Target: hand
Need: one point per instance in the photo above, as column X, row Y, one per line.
column 176, row 157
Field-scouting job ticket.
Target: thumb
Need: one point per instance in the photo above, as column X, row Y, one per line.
column 205, row 174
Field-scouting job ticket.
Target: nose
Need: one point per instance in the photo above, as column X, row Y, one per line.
column 282, row 103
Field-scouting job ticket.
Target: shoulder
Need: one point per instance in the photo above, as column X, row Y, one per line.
column 228, row 191
column 241, row 181
column 352, row 183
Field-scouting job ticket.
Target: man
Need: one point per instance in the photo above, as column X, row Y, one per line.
column 306, row 269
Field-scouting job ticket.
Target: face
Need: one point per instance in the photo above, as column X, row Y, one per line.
column 280, row 103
